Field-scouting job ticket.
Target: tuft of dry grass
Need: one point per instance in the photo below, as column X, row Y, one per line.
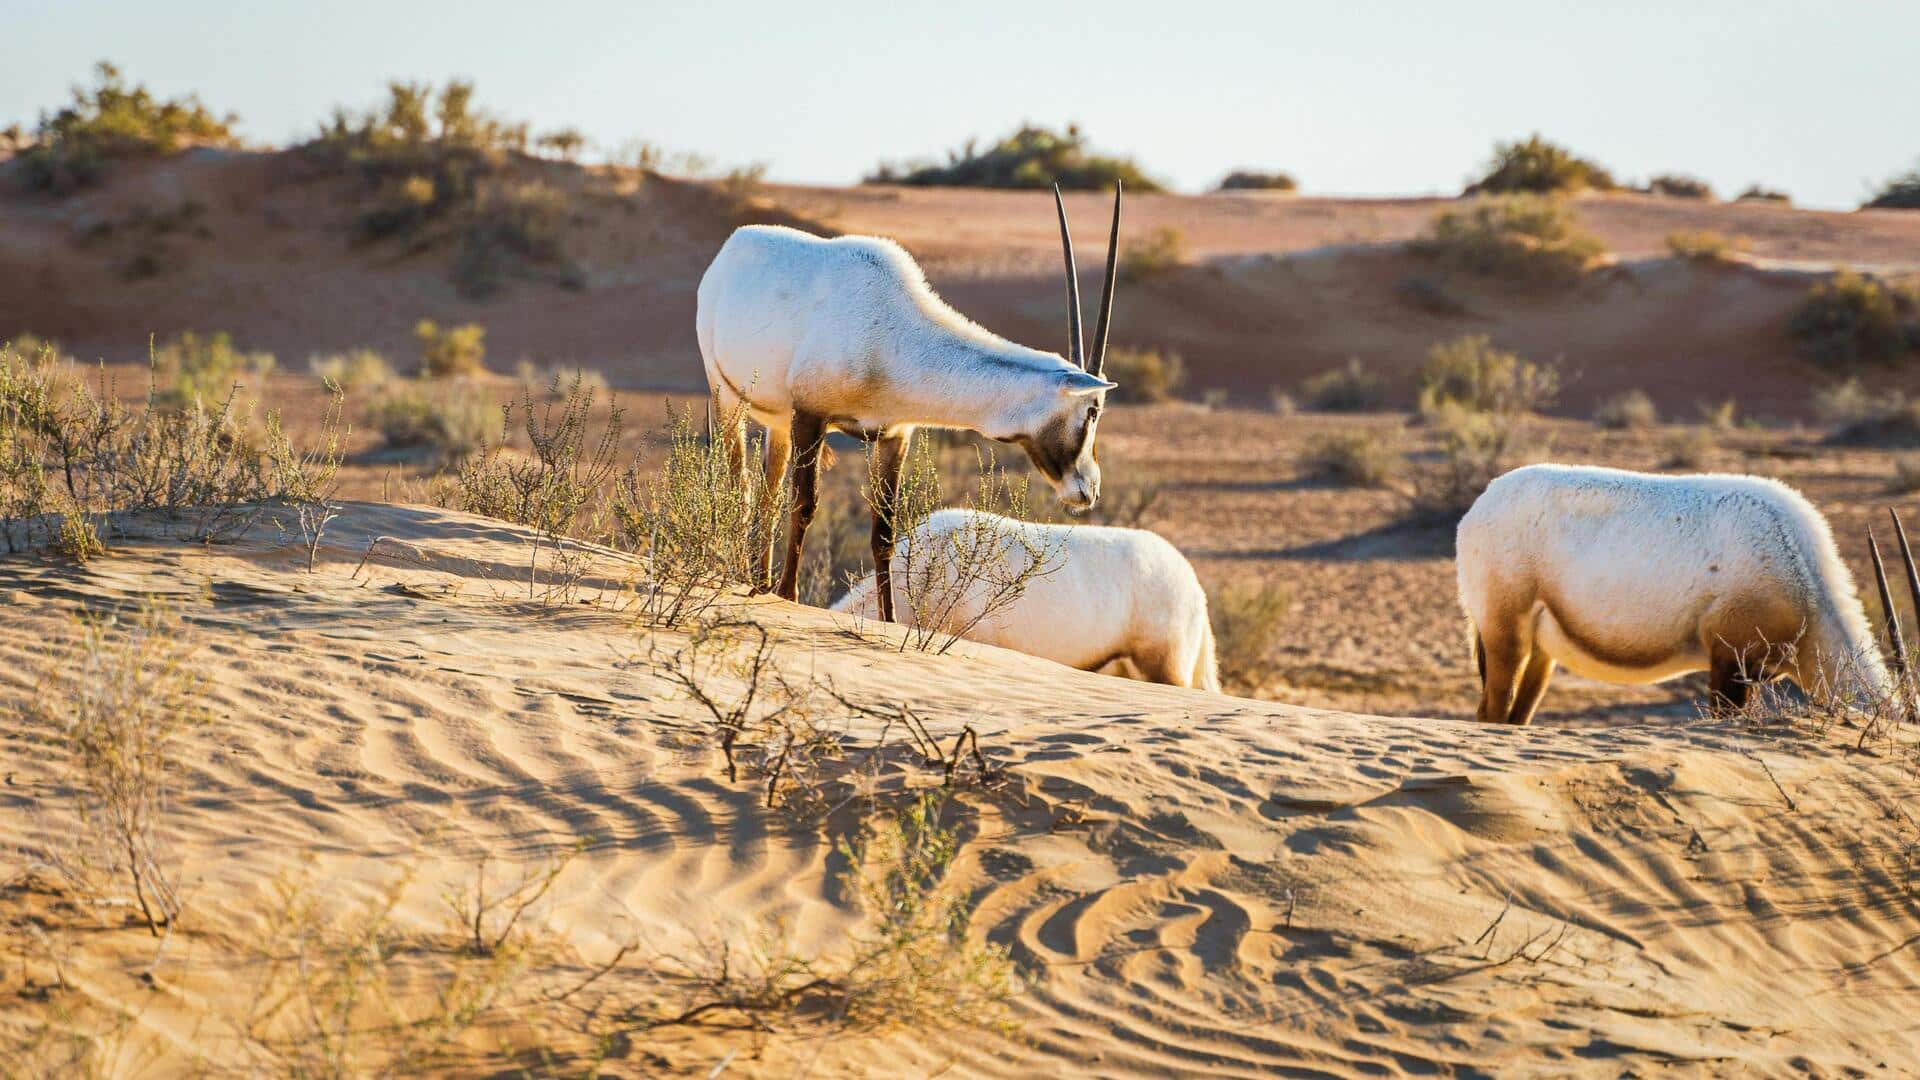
column 1349, row 388
column 1247, row 620
column 1469, row 373
column 1146, row 374
column 1705, row 245
column 1626, row 411
column 1157, row 253
column 454, row 351
column 356, row 371
column 451, row 424
column 1356, row 459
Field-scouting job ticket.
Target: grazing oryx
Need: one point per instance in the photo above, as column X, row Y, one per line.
column 810, row 335
column 1115, row 594
column 1636, row 578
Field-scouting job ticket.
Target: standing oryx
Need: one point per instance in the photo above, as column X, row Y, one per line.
column 1637, row 578
column 811, row 335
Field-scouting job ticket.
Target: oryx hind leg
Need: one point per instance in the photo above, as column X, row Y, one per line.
column 1503, row 646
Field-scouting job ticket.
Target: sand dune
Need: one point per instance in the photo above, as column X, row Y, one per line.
column 1193, row 883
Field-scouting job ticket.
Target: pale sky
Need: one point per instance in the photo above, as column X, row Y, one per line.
column 1356, row 98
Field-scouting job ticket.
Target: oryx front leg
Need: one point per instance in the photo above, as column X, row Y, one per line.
column 889, row 462
column 809, row 438
column 1505, row 646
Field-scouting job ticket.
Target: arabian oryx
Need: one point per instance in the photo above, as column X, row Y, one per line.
column 1637, row 578
column 1110, row 594
column 808, row 335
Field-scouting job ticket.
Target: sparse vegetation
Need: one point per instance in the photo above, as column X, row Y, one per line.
column 207, row 369
column 451, row 423
column 1145, row 374
column 1705, row 245
column 1906, row 475
column 1152, row 255
column 1475, row 448
column 1691, row 449
column 1032, row 157
column 1856, row 415
column 356, row 371
column 1256, row 180
column 1423, row 292
column 455, row 351
column 1679, row 186
column 1527, row 238
column 1355, row 459
column 1536, row 166
column 1469, row 373
column 1349, row 388
column 72, row 146
column 1247, row 620
column 1757, row 193
column 1625, row 411
column 1900, row 193
column 1852, row 319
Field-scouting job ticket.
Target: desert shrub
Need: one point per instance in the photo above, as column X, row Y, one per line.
column 1426, row 293
column 1632, row 409
column 1348, row 388
column 1521, row 237
column 1281, row 402
column 564, row 143
column 509, row 225
column 1680, row 187
column 1691, row 449
column 452, row 351
column 1355, row 459
column 1906, row 475
column 1719, row 415
column 191, row 367
column 1537, row 166
column 1247, row 620
column 1469, row 373
column 1255, row 180
column 1900, row 193
column 117, row 706
column 698, row 521
column 1475, row 447
column 1032, row 157
column 356, row 371
column 553, row 376
column 1854, row 414
column 1757, row 193
column 1145, row 374
column 1152, row 255
column 1705, row 245
column 72, row 145
column 1851, row 319
column 450, row 423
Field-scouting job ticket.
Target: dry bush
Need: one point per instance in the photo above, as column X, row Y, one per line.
column 1705, row 245
column 1423, row 292
column 454, row 351
column 356, row 371
column 304, row 482
column 1032, row 157
column 1857, row 415
column 1900, row 193
column 967, row 575
column 552, row 376
column 209, row 369
column 510, row 225
column 72, row 145
column 1469, row 373
column 117, row 706
column 555, row 487
column 1348, row 388
column 1758, row 193
column 1145, row 374
column 1281, row 402
column 1721, row 415
column 1691, row 449
column 1256, row 180
column 1852, row 319
column 1523, row 238
column 1475, row 448
column 1621, row 412
column 451, row 423
column 1247, row 620
column 1906, row 475
column 1537, row 166
column 1680, row 187
column 1157, row 253
column 1355, row 459
column 700, row 522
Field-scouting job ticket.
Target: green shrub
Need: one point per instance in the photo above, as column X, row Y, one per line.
column 1851, row 319
column 454, row 351
column 1247, row 620
column 1469, row 373
column 1680, row 187
column 1254, row 180
column 451, row 424
column 1756, row 193
column 192, row 368
column 73, row 144
column 1348, row 388
column 1355, row 459
column 356, row 371
column 1705, row 245
column 1145, row 374
column 1540, row 167
column 1900, row 193
column 1633, row 409
column 1150, row 256
column 1032, row 157
column 1520, row 237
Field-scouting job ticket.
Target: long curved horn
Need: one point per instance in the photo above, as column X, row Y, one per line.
column 1913, row 582
column 1075, row 345
column 1895, row 637
column 1106, row 293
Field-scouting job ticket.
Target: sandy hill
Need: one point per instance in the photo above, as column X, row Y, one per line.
column 1276, row 288
column 1192, row 883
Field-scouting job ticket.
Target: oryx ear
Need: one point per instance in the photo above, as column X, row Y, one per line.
column 1083, row 382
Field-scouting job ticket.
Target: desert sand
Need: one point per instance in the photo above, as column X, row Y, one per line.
column 1192, row 883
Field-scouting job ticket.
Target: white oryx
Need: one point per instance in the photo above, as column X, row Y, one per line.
column 807, row 335
column 1112, row 594
column 1636, row 578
